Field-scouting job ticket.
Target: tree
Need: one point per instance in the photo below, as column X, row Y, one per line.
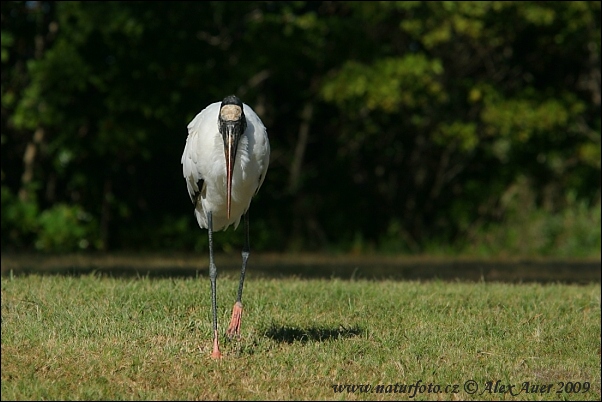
column 393, row 124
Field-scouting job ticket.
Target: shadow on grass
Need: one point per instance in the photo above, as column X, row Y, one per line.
column 286, row 334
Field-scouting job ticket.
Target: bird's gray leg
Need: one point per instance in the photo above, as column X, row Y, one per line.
column 245, row 258
column 213, row 277
column 234, row 327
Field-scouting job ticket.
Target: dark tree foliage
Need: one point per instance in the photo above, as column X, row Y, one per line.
column 393, row 125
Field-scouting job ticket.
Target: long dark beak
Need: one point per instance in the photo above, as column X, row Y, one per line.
column 231, row 137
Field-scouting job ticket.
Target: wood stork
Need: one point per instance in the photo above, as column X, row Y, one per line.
column 225, row 161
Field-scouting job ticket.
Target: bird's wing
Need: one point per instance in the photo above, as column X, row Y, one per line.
column 191, row 158
column 262, row 144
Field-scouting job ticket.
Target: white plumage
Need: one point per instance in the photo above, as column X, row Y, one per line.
column 225, row 161
column 203, row 159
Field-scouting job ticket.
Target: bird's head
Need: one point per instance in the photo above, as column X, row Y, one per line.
column 232, row 124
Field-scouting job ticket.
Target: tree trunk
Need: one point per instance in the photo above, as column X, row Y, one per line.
column 29, row 159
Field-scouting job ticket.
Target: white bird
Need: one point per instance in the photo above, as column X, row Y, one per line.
column 225, row 161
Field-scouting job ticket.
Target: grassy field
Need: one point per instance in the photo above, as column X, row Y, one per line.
column 97, row 336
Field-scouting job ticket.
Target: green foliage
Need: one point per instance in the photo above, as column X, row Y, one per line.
column 527, row 229
column 522, row 117
column 19, row 219
column 465, row 135
column 388, row 84
column 59, row 228
column 423, row 116
column 7, row 41
column 66, row 228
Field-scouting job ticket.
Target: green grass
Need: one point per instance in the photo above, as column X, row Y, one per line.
column 98, row 337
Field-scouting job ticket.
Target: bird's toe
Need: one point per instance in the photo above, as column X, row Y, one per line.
column 234, row 327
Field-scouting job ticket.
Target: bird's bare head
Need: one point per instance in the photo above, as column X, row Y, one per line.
column 231, row 109
column 232, row 124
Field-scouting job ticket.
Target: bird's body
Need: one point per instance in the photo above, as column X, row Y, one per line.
column 225, row 161
column 203, row 159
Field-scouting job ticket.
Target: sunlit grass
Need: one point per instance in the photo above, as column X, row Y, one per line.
column 93, row 337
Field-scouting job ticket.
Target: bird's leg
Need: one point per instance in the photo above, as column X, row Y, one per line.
column 234, row 327
column 216, row 354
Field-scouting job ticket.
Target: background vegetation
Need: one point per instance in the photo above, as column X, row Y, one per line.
column 449, row 127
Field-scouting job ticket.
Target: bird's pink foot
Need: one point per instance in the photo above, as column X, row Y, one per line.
column 234, row 327
column 216, row 354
